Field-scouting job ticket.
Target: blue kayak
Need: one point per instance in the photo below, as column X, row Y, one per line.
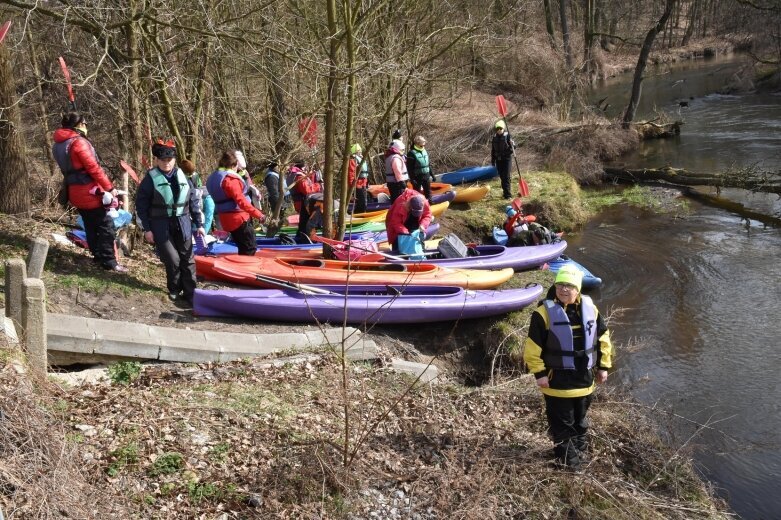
column 589, row 280
column 470, row 174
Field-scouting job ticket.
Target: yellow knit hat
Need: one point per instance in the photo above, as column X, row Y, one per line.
column 571, row 275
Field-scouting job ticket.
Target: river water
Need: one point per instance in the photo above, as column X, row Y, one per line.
column 700, row 293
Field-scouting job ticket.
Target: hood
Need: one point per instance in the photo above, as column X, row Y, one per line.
column 63, row 134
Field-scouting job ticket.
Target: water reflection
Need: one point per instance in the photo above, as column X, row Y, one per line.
column 702, row 294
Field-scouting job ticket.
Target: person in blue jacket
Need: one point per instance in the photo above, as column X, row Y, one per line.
column 168, row 207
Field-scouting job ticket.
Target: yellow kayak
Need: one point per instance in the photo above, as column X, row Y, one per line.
column 472, row 193
column 438, row 209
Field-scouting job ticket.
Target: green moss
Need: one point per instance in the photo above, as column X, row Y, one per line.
column 123, row 456
column 167, row 464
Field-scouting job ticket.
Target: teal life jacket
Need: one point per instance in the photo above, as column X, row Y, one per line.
column 163, row 204
column 421, row 167
column 560, row 352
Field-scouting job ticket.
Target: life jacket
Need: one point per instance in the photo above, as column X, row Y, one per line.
column 222, row 202
column 502, row 146
column 389, row 175
column 163, row 204
column 421, row 168
column 62, row 154
column 364, row 173
column 293, row 175
column 559, row 352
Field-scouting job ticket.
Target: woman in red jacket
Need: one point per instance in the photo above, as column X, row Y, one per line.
column 87, row 183
column 410, row 211
column 232, row 202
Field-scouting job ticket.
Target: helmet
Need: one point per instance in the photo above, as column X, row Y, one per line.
column 356, row 148
column 510, row 211
column 500, row 124
column 242, row 162
column 397, row 144
column 164, row 149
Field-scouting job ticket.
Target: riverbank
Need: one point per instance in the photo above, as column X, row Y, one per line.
column 246, row 440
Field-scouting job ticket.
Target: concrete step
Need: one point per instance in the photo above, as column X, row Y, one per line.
column 92, row 336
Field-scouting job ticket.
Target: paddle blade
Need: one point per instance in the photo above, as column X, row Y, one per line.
column 523, row 188
column 130, row 171
column 66, row 73
column 4, row 30
column 501, row 105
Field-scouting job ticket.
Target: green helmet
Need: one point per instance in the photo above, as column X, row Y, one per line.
column 500, row 124
column 356, row 148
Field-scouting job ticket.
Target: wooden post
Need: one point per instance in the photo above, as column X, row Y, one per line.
column 15, row 273
column 36, row 257
column 34, row 324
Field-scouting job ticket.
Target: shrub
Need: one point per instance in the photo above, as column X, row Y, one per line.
column 124, row 372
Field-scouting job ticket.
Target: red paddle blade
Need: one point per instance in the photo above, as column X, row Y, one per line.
column 4, row 30
column 130, row 171
column 523, row 188
column 501, row 105
column 67, row 74
column 517, row 205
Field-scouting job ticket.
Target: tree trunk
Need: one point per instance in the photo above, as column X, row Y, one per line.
column 54, row 171
column 14, row 191
column 549, row 22
column 686, row 178
column 692, row 22
column 588, row 38
column 346, row 187
column 642, row 61
column 330, row 121
column 563, row 7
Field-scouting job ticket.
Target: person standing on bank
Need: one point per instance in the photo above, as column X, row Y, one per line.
column 358, row 176
column 86, row 184
column 168, row 207
column 502, row 150
column 232, row 201
column 271, row 182
column 207, row 203
column 419, row 168
column 396, row 175
column 567, row 350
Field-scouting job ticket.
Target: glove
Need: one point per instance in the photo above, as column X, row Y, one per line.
column 433, row 177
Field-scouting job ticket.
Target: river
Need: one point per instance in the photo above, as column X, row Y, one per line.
column 699, row 292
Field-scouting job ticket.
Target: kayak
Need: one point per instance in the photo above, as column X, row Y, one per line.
column 357, row 228
column 445, row 196
column 244, row 270
column 497, row 257
column 472, row 193
column 437, row 188
column 438, row 209
column 375, row 304
column 589, row 280
column 488, row 257
column 470, row 174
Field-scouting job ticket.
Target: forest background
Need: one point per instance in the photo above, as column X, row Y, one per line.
column 218, row 75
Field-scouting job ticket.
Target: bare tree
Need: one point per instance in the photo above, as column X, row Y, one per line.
column 14, row 191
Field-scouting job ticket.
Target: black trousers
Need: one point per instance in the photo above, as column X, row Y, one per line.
column 303, row 219
column 422, row 184
column 503, row 167
column 568, row 426
column 360, row 200
column 396, row 189
column 101, row 236
column 244, row 237
column 176, row 254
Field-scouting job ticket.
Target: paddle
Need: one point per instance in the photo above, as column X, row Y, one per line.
column 523, row 188
column 67, row 74
column 4, row 30
column 304, row 289
column 130, row 171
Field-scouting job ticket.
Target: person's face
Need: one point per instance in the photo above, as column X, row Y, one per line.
column 165, row 164
column 499, row 129
column 566, row 293
column 82, row 127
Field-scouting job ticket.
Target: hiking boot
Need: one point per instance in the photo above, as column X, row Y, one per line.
column 120, row 269
column 173, row 296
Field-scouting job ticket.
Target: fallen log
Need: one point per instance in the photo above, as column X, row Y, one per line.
column 747, row 179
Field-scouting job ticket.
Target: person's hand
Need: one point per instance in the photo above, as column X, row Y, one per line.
column 433, row 177
column 543, row 382
column 423, row 231
column 149, row 237
column 200, row 231
column 601, row 376
column 113, row 192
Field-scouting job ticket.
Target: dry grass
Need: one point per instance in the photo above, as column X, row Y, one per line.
column 41, row 473
column 265, row 443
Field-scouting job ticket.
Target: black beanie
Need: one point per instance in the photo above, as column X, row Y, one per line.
column 71, row 120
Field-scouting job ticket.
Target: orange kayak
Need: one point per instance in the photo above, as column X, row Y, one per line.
column 244, row 270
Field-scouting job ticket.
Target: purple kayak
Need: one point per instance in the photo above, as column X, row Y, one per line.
column 372, row 304
column 497, row 257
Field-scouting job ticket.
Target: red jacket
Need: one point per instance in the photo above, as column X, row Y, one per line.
column 399, row 212
column 230, row 221
column 82, row 156
column 351, row 169
column 303, row 188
